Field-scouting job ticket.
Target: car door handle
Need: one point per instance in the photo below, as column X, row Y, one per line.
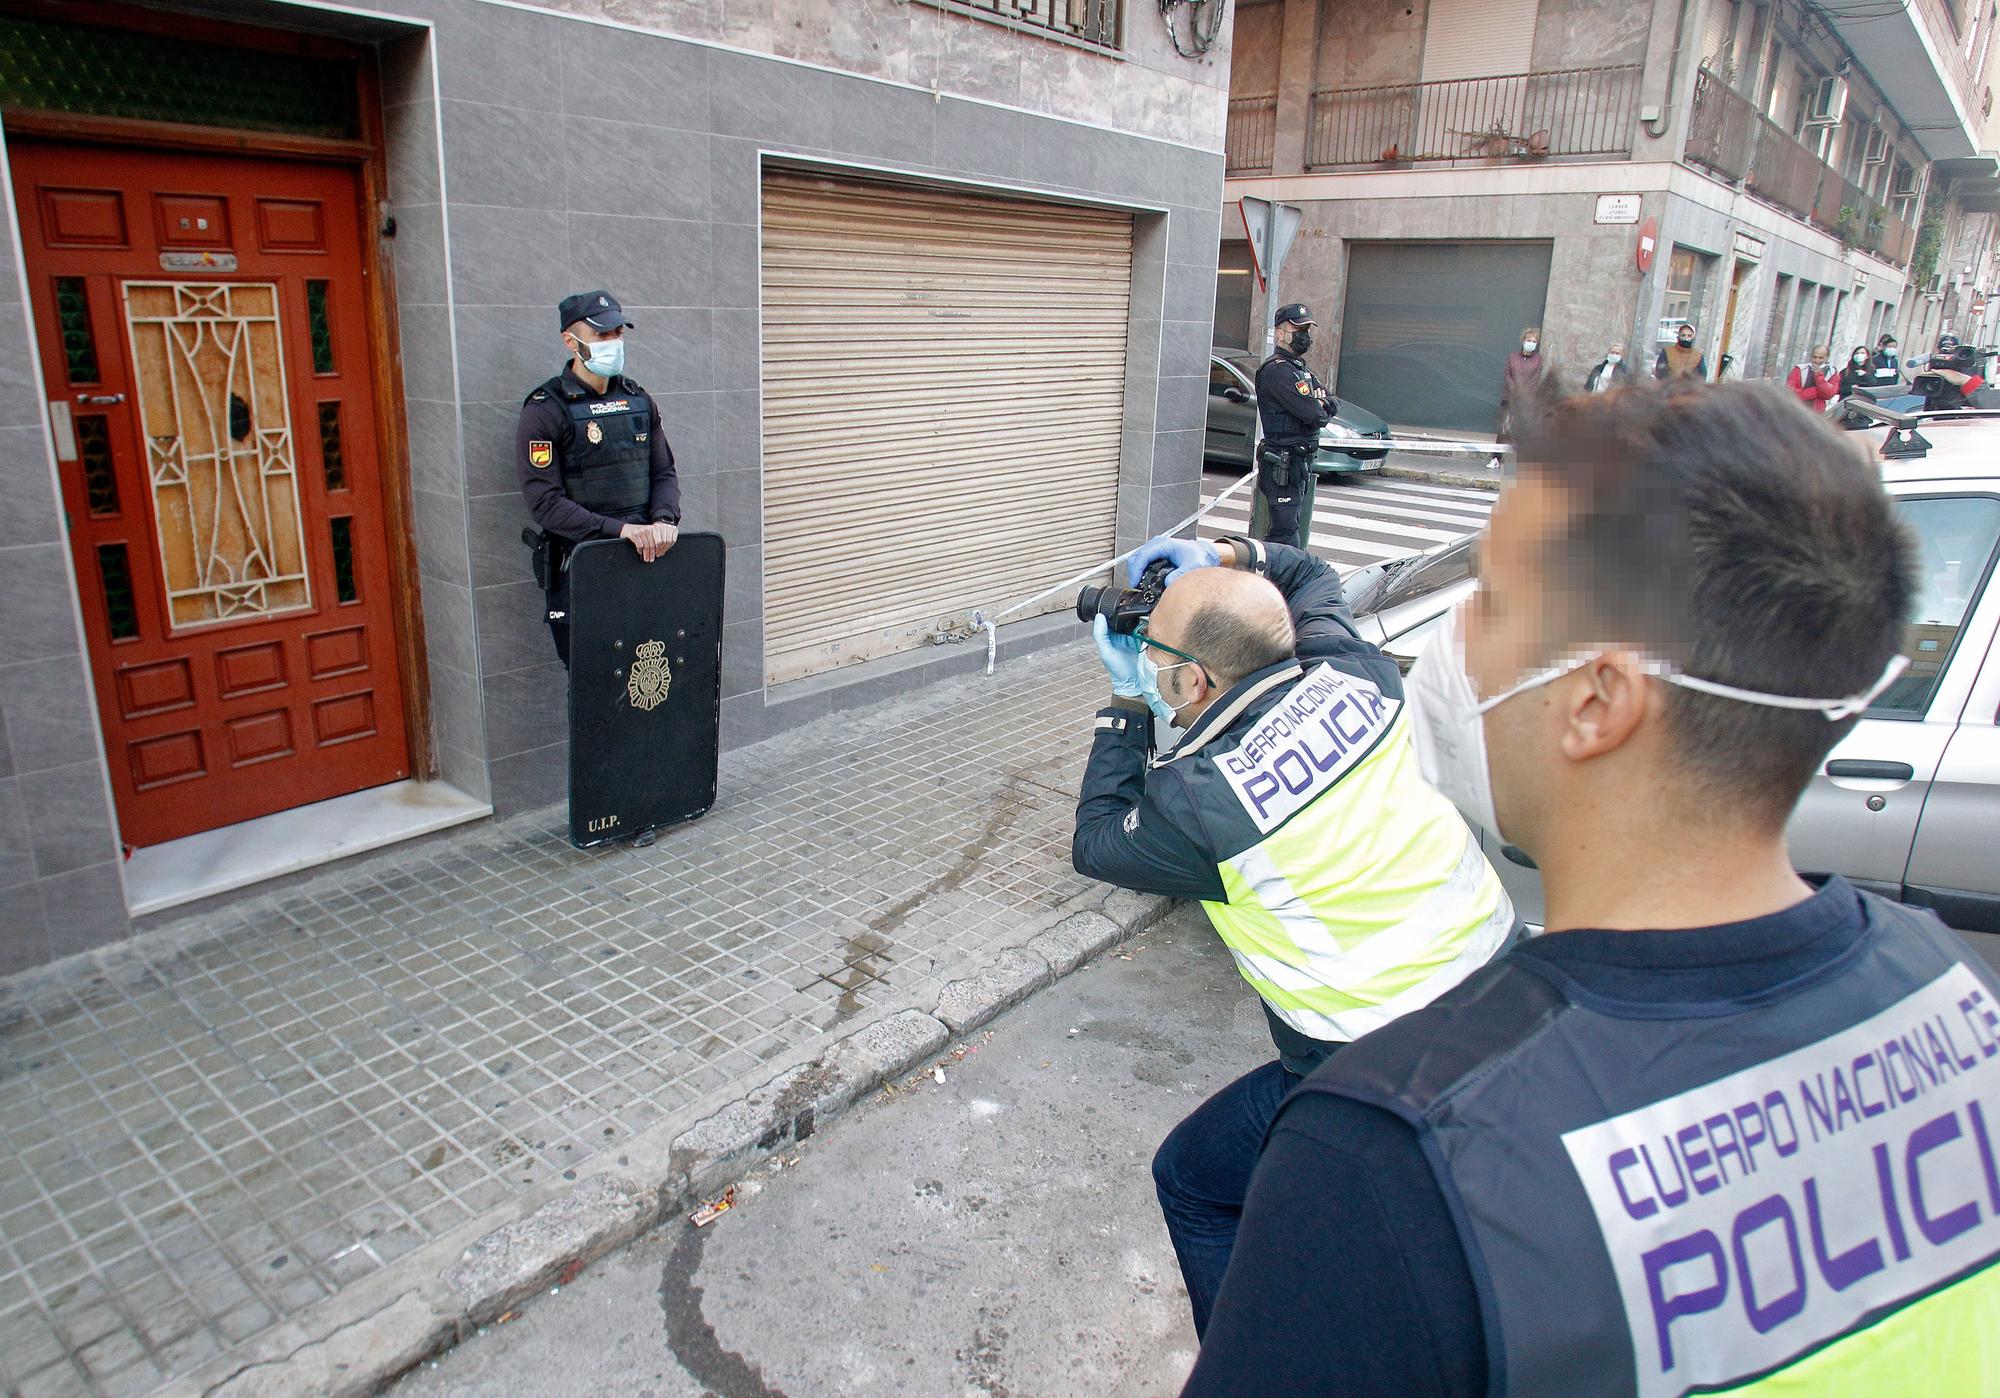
column 105, row 399
column 1870, row 771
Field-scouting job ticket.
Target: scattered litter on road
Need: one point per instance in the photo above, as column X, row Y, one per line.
column 1074, row 1032
column 877, row 1267
column 937, row 1076
column 714, row 1208
column 511, row 1315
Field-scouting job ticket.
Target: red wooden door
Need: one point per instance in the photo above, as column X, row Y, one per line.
column 204, row 339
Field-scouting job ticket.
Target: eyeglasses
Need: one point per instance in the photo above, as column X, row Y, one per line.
column 1140, row 632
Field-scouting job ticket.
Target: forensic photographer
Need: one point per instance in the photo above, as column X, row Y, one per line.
column 1348, row 890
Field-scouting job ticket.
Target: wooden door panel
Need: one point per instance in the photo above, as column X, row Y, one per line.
column 202, row 318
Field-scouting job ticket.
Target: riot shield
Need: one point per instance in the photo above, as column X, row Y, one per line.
column 645, row 686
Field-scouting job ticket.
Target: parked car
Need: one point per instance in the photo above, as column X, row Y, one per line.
column 1929, row 748
column 1460, row 383
column 1232, row 423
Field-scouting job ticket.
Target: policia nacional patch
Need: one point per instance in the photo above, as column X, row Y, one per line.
column 540, row 454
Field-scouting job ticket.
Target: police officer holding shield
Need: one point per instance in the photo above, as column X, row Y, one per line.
column 592, row 455
column 1292, row 406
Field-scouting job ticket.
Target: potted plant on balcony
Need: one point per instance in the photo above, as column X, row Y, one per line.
column 1847, row 225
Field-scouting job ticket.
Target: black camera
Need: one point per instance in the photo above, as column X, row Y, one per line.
column 1123, row 608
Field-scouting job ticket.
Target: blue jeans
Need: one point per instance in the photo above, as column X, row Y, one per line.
column 1202, row 1173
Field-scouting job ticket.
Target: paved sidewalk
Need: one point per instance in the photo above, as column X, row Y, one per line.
column 217, row 1133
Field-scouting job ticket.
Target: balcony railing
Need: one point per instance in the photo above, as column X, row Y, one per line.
column 1253, row 132
column 1093, row 22
column 1524, row 116
column 1728, row 135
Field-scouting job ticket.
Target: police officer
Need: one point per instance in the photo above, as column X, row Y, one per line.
column 1715, row 1129
column 1292, row 406
column 592, row 455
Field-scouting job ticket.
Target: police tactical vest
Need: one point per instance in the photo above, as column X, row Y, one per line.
column 1792, row 1195
column 607, row 463
column 1281, row 429
column 1356, row 892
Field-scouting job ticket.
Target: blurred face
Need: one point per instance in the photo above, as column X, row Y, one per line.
column 1507, row 629
column 1685, row 337
column 1617, row 348
column 1819, row 357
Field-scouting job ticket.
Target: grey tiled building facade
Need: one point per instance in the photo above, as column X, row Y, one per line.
column 527, row 152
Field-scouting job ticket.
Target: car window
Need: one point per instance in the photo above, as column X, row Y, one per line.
column 1220, row 378
column 1441, row 569
column 1956, row 538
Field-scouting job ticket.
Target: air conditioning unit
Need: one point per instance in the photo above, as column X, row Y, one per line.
column 1905, row 184
column 1878, row 147
column 1829, row 102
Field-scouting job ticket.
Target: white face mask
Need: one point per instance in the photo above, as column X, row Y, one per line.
column 605, row 357
column 1450, row 725
column 1613, row 357
column 1528, row 346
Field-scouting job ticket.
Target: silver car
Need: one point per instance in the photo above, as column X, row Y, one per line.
column 1908, row 804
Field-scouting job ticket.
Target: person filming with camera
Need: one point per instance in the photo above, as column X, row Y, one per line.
column 1347, row 889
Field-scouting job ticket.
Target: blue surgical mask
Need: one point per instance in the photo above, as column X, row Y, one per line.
column 1149, row 687
column 606, row 357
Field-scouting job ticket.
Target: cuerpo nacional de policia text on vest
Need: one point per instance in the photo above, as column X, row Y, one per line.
column 1799, row 1194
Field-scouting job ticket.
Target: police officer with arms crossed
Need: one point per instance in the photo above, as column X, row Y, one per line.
column 1292, row 406
column 592, row 455
column 1715, row 1129
column 1347, row 889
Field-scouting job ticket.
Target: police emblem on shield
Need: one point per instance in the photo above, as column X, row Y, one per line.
column 650, row 677
column 594, row 432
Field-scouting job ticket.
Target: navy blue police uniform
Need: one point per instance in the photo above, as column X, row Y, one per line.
column 1292, row 406
column 589, row 462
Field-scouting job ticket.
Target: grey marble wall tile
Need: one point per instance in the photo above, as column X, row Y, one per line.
column 504, row 351
column 780, row 105
column 422, row 271
column 440, row 529
column 24, row 938
column 511, row 257
column 736, row 343
column 734, row 179
column 1149, row 264
column 742, row 658
column 526, row 781
column 1184, row 346
column 672, row 348
column 689, row 420
column 513, row 627
column 739, row 508
column 504, row 156
column 32, row 515
column 490, row 428
column 972, row 139
column 1193, row 235
column 875, row 122
column 526, row 708
column 17, row 856
column 743, row 589
column 1183, row 402
column 734, row 271
column 424, row 336
column 654, row 261
column 409, row 131
column 85, row 909
column 698, row 501
column 659, row 81
column 21, row 403
column 456, row 720
column 1142, row 351
column 448, row 624
column 1177, row 465
column 1190, row 294
column 486, row 50
column 434, row 446
column 746, row 720
column 618, row 167
column 465, row 771
column 405, row 69
column 39, row 619
column 498, row 555
column 6, row 749
column 48, row 707
column 739, row 429
column 69, row 818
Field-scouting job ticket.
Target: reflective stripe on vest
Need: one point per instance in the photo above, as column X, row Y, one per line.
column 1371, row 901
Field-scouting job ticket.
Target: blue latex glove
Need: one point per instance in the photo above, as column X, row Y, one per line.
column 1183, row 553
column 1120, row 654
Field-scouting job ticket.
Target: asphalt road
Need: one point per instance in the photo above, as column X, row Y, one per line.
column 992, row 1235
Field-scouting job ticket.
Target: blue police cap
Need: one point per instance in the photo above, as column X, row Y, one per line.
column 600, row 308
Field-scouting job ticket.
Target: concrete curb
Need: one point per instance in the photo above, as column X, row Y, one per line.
column 356, row 1342
column 1487, row 480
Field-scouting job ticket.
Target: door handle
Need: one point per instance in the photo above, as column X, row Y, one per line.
column 1870, row 771
column 104, row 398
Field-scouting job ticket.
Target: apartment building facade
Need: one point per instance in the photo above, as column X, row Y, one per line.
column 922, row 289
column 1604, row 171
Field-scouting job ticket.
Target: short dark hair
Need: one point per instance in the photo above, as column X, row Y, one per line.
column 1733, row 533
column 1231, row 646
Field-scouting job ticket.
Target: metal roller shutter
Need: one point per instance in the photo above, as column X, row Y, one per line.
column 1478, row 38
column 944, row 394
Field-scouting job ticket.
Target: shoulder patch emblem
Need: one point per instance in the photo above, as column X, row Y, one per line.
column 540, row 454
column 1305, row 386
column 594, row 432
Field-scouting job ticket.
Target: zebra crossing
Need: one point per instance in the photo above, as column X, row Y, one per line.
column 1366, row 519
